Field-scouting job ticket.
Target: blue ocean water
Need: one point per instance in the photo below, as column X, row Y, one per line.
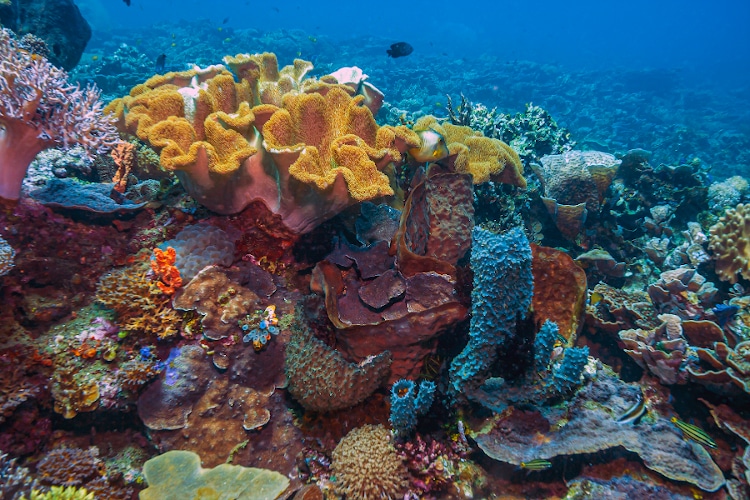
column 710, row 39
column 669, row 77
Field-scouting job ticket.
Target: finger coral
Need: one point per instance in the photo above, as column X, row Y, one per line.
column 40, row 109
column 367, row 467
column 140, row 305
column 730, row 244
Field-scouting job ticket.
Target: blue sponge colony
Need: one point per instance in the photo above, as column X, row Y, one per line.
column 198, row 246
column 503, row 287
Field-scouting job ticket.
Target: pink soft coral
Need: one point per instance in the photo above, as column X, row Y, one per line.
column 40, row 109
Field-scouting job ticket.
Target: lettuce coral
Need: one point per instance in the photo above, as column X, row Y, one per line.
column 178, row 474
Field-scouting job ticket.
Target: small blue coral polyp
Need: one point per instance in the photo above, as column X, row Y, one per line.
column 259, row 327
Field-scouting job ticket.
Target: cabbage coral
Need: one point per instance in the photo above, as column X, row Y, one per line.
column 39, row 109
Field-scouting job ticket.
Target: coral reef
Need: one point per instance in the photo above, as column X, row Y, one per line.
column 366, row 465
column 199, row 245
column 7, row 254
column 470, row 152
column 574, row 184
column 401, row 305
column 588, row 425
column 225, row 163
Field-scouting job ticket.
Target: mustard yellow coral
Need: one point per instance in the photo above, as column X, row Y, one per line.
column 483, row 157
column 730, row 244
column 334, row 136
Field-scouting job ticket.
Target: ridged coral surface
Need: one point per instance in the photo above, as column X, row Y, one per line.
column 367, row 467
column 730, row 244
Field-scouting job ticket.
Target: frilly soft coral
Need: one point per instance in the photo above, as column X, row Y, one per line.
column 304, row 148
column 162, row 264
column 39, row 109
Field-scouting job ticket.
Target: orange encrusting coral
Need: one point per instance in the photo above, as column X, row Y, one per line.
column 124, row 156
column 163, row 266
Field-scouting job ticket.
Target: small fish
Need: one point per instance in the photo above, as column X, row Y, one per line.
column 595, row 298
column 400, row 49
column 433, row 147
column 312, row 39
column 161, row 62
column 536, row 464
column 94, row 58
column 219, row 29
column 127, row 2
column 694, row 432
column 633, row 413
column 225, row 21
column 724, row 313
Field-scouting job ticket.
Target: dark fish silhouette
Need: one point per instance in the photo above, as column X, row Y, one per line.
column 127, row 2
column 400, row 49
column 161, row 62
column 226, row 19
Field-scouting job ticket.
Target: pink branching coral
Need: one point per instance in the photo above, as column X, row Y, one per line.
column 40, row 109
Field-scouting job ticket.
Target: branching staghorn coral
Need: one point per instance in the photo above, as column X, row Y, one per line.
column 40, row 109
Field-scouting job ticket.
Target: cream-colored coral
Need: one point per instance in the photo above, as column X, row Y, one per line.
column 367, row 467
column 730, row 244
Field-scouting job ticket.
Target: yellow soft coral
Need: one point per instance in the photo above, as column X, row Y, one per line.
column 485, row 158
column 322, row 151
column 333, row 136
column 730, row 244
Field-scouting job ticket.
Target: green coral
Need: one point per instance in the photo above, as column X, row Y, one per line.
column 61, row 493
column 178, row 474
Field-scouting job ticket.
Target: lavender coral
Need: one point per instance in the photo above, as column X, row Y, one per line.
column 40, row 109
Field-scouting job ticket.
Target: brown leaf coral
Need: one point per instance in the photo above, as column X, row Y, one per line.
column 730, row 244
column 367, row 467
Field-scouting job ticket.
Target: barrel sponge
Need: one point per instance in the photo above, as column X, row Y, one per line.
column 730, row 244
column 198, row 246
column 367, row 467
column 178, row 474
column 503, row 289
column 320, row 379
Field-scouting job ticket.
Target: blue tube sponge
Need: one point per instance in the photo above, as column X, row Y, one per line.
column 503, row 287
column 407, row 404
column 544, row 343
column 568, row 373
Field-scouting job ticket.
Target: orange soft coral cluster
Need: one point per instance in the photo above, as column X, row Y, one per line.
column 124, row 156
column 163, row 266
